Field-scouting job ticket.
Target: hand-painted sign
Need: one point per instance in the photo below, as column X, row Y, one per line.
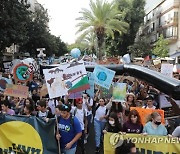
column 69, row 78
column 22, row 73
column 16, row 91
column 119, row 92
column 103, row 76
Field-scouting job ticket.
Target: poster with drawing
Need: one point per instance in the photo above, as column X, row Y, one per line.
column 75, row 77
column 119, row 92
column 66, row 79
column 103, row 76
column 54, row 82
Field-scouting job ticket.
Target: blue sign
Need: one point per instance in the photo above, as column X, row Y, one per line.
column 91, row 83
column 103, row 76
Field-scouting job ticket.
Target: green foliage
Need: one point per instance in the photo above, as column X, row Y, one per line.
column 141, row 48
column 14, row 18
column 161, row 47
column 102, row 19
column 133, row 13
column 27, row 29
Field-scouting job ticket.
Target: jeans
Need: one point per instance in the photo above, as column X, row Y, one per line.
column 68, row 151
column 89, row 121
column 98, row 127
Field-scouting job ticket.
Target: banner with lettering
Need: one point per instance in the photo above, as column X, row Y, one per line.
column 144, row 113
column 21, row 134
column 144, row 144
column 16, row 91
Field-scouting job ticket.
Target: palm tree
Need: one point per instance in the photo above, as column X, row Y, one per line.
column 102, row 19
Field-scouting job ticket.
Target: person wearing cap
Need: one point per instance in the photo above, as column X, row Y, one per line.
column 69, row 130
column 81, row 115
column 149, row 103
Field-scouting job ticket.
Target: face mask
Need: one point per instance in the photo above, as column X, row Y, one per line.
column 111, row 122
column 157, row 123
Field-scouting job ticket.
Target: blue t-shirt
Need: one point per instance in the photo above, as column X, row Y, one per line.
column 160, row 130
column 68, row 129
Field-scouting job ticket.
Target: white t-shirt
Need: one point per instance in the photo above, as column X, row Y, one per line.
column 51, row 104
column 90, row 102
column 80, row 113
column 42, row 114
column 100, row 112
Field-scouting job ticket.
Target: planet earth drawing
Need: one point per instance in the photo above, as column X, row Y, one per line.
column 102, row 76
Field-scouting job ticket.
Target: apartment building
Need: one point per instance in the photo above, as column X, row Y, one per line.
column 163, row 17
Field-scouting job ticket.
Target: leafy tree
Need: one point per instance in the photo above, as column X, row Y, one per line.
column 14, row 18
column 141, row 47
column 133, row 12
column 102, row 19
column 161, row 47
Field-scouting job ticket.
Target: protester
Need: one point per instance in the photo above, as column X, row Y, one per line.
column 81, row 115
column 69, row 130
column 42, row 110
column 28, row 110
column 149, row 103
column 113, row 124
column 99, row 122
column 133, row 125
column 154, row 126
column 5, row 105
column 118, row 109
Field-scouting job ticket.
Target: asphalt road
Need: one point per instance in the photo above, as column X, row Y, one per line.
column 90, row 145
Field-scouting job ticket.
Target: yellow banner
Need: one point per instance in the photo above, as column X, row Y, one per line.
column 145, row 144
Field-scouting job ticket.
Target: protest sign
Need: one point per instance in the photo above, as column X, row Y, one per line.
column 3, row 82
column 90, row 91
column 54, row 82
column 66, row 79
column 144, row 144
column 22, row 73
column 27, row 135
column 144, row 113
column 75, row 95
column 103, row 76
column 119, row 92
column 106, row 93
column 167, row 69
column 16, row 91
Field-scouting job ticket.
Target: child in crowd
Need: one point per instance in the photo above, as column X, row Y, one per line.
column 113, row 124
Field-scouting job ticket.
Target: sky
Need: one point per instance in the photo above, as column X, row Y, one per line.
column 63, row 14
